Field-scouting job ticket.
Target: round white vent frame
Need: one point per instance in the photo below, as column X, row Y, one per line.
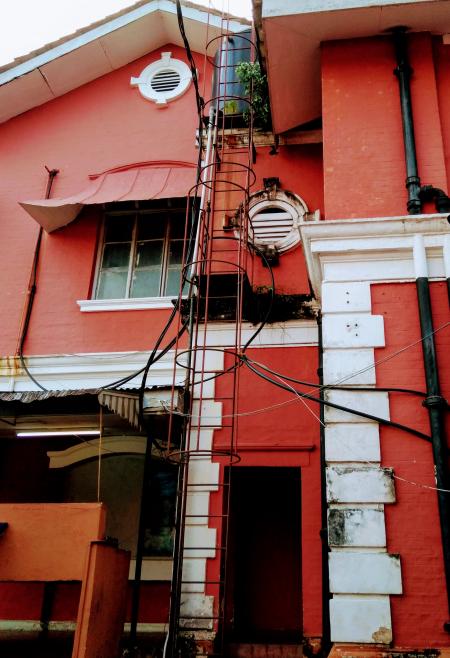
column 275, row 219
column 164, row 80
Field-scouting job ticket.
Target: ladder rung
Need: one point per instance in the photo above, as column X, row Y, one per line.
column 202, row 582
column 204, row 548
column 207, row 484
column 206, row 516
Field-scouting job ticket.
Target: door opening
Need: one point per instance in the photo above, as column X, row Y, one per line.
column 263, row 601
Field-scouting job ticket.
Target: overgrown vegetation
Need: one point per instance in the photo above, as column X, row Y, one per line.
column 255, row 86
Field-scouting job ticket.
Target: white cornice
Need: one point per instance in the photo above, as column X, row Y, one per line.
column 379, row 249
column 62, row 372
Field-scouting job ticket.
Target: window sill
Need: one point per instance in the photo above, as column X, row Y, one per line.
column 135, row 304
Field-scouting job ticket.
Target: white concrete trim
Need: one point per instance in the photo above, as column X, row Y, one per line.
column 273, row 8
column 128, row 445
column 88, row 370
column 363, row 618
column 378, row 249
column 359, row 483
column 132, row 304
column 356, row 526
column 447, row 256
column 355, row 572
column 294, row 333
column 420, row 257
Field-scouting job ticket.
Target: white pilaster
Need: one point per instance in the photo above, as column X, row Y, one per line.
column 362, row 573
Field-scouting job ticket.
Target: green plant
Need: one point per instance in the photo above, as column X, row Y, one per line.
column 255, row 86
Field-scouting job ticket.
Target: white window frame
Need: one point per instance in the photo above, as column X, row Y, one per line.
column 133, row 303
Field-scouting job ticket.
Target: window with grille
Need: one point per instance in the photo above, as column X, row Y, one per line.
column 142, row 249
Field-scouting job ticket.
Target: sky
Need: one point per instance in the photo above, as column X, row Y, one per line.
column 29, row 24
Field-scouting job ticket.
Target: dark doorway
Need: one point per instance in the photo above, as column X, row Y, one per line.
column 264, row 557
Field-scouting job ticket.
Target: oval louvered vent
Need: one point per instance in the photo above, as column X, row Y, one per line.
column 271, row 225
column 275, row 222
column 166, row 80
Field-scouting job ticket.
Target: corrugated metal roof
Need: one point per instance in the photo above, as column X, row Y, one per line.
column 36, row 396
column 143, row 181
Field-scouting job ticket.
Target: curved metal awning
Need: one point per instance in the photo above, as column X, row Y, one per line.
column 137, row 182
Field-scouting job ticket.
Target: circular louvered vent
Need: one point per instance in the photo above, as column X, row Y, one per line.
column 165, row 81
column 274, row 222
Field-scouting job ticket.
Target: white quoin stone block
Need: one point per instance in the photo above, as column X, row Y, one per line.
column 205, row 390
column 362, row 484
column 375, row 404
column 194, row 575
column 346, row 297
column 199, row 542
column 345, row 366
column 196, row 611
column 352, row 330
column 352, row 442
column 352, row 572
column 363, row 527
column 197, row 507
column 208, row 414
column 203, row 475
column 361, row 619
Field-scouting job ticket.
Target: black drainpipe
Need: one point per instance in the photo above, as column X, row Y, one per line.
column 52, row 173
column 403, row 71
column 434, row 401
column 326, row 633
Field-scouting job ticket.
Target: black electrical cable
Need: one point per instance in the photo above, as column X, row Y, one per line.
column 336, row 387
column 333, row 405
column 200, row 101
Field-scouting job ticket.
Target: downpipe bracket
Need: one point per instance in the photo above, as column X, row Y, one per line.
column 435, row 401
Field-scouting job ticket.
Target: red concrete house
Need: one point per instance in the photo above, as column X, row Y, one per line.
column 306, row 518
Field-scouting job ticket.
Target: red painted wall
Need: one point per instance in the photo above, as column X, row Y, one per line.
column 442, row 63
column 292, row 431
column 364, row 169
column 300, row 170
column 101, row 125
column 412, row 523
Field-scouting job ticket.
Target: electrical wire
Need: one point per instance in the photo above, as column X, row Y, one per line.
column 315, row 387
column 339, row 407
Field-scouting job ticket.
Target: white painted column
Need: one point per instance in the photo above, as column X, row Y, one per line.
column 362, row 573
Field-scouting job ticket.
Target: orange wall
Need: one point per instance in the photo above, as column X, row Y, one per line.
column 24, row 550
column 412, row 523
column 364, row 168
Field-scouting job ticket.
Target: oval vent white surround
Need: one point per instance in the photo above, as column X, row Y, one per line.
column 274, row 221
column 164, row 80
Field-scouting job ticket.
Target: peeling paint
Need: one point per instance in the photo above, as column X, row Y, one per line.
column 383, row 635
